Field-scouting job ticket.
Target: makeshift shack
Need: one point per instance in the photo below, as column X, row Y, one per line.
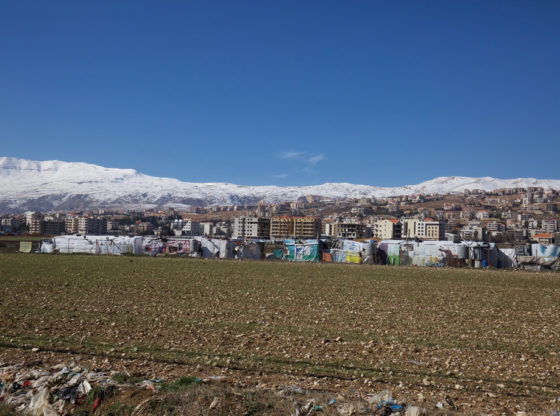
column 91, row 244
column 305, row 250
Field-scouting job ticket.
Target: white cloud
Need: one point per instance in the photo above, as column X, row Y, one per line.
column 308, row 170
column 291, row 155
column 280, row 176
column 316, row 159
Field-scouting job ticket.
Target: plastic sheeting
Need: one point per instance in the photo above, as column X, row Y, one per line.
column 47, row 246
column 350, row 251
column 307, row 250
column 537, row 263
column 215, row 248
column 542, row 250
column 248, row 251
column 25, row 246
column 90, row 244
column 172, row 246
column 507, row 258
column 434, row 253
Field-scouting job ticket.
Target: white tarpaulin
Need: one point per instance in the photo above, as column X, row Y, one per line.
column 213, row 248
column 93, row 244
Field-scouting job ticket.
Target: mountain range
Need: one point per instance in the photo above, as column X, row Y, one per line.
column 65, row 186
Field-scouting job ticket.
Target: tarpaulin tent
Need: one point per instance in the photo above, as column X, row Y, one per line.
column 47, row 246
column 350, row 251
column 389, row 252
column 307, row 250
column 215, row 248
column 171, row 246
column 248, row 250
column 90, row 244
column 507, row 258
column 543, row 257
column 549, row 250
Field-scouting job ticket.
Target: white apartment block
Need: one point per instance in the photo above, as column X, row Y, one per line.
column 423, row 229
column 191, row 227
column 549, row 226
column 387, row 229
column 251, row 228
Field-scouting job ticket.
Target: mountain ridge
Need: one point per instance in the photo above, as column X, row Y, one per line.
column 58, row 185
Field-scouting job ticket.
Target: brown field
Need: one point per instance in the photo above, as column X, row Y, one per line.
column 487, row 340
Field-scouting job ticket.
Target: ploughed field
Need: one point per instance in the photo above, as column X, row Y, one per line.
column 486, row 340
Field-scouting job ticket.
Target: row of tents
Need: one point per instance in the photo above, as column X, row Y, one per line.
column 390, row 252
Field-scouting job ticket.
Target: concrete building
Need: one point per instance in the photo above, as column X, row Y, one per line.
column 473, row 232
column 495, row 227
column 349, row 230
column 41, row 227
column 387, row 229
column 409, row 229
column 544, row 238
column 483, row 214
column 72, row 224
column 432, row 230
column 427, row 229
column 549, row 226
column 191, row 228
column 85, row 225
column 295, row 227
column 251, row 228
column 31, row 216
column 88, row 225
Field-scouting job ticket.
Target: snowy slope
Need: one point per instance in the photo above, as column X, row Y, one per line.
column 56, row 185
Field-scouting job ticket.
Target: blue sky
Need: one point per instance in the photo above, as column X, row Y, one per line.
column 288, row 93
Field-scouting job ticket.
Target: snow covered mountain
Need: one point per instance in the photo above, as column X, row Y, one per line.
column 56, row 185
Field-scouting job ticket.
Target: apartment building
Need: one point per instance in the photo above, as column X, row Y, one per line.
column 387, row 229
column 90, row 225
column 427, row 229
column 549, row 226
column 251, row 228
column 42, row 227
column 72, row 224
column 31, row 216
column 294, row 227
column 495, row 227
column 191, row 227
column 349, row 230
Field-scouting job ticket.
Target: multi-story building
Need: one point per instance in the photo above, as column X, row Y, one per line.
column 9, row 224
column 549, row 225
column 483, row 214
column 409, row 229
column 473, row 231
column 191, row 227
column 295, row 227
column 31, row 216
column 72, row 224
column 426, row 229
column 433, row 230
column 495, row 227
column 41, row 227
column 349, row 230
column 387, row 229
column 251, row 228
column 85, row 225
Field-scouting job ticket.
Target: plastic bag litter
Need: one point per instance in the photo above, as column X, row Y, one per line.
column 39, row 404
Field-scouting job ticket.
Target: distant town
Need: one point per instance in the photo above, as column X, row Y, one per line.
column 506, row 216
